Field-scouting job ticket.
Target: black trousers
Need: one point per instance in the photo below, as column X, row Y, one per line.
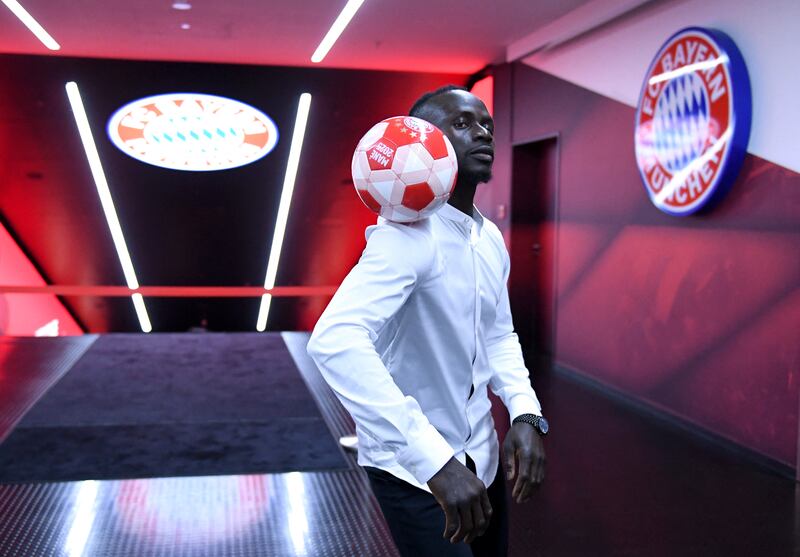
column 417, row 521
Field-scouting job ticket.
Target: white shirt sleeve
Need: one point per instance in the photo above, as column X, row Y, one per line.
column 396, row 259
column 510, row 378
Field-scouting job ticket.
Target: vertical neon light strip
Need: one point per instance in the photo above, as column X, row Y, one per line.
column 108, row 204
column 299, row 133
column 336, row 29
column 33, row 25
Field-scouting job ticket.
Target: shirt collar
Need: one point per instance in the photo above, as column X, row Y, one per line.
column 461, row 220
column 451, row 213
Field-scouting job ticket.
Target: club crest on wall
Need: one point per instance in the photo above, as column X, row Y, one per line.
column 692, row 120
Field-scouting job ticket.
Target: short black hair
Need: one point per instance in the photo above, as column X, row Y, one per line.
column 419, row 104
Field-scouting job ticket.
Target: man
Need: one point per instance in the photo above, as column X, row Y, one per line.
column 409, row 343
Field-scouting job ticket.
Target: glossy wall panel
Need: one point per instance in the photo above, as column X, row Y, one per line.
column 699, row 315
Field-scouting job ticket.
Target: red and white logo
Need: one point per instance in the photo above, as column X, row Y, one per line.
column 418, row 125
column 190, row 131
column 684, row 122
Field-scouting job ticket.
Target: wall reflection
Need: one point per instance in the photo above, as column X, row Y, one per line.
column 82, row 518
column 297, row 518
column 209, row 509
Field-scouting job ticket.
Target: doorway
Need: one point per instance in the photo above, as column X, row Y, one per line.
column 534, row 220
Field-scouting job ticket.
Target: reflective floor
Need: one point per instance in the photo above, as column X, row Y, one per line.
column 618, row 484
column 276, row 514
column 319, row 513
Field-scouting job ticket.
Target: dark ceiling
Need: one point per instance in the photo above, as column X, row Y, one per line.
column 411, row 35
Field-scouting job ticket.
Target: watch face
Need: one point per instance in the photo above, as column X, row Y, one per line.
column 543, row 425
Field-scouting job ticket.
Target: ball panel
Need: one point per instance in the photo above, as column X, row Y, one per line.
column 417, row 196
column 417, row 165
column 387, row 175
column 360, row 165
column 400, row 159
column 373, row 135
column 398, row 191
column 436, row 146
column 399, row 134
column 369, row 201
column 402, row 214
column 381, row 154
column 442, row 177
column 422, row 154
column 382, row 191
column 360, row 169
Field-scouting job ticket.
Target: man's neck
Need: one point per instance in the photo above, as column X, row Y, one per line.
column 463, row 198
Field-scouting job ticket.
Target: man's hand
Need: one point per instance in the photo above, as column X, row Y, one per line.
column 464, row 500
column 524, row 443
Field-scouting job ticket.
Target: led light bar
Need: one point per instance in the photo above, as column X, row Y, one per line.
column 34, row 26
column 299, row 133
column 336, row 29
column 697, row 67
column 107, row 202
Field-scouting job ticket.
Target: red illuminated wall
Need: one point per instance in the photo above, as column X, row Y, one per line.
column 24, row 314
column 698, row 316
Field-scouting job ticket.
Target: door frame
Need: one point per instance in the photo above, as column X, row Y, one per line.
column 556, row 136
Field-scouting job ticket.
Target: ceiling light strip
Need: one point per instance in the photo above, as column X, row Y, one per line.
column 107, row 202
column 336, row 29
column 34, row 26
column 303, row 107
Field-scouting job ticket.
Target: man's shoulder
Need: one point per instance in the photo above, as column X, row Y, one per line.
column 418, row 231
column 402, row 244
column 493, row 233
column 492, row 228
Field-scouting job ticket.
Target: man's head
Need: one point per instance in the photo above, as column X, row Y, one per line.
column 463, row 118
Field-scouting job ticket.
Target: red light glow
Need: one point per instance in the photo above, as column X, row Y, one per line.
column 24, row 314
column 484, row 90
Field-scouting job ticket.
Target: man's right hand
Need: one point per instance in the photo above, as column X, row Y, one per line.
column 464, row 500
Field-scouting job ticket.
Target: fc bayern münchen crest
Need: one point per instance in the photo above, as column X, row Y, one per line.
column 693, row 120
column 192, row 131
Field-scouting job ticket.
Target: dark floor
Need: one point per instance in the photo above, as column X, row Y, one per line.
column 618, row 483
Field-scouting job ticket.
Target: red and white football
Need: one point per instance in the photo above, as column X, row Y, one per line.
column 404, row 169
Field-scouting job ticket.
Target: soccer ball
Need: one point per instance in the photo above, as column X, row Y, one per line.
column 404, row 169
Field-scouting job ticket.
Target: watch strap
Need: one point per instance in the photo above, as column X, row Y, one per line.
column 532, row 419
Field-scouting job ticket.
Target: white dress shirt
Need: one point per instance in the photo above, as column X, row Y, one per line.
column 420, row 320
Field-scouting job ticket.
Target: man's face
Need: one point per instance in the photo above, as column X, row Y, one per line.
column 468, row 125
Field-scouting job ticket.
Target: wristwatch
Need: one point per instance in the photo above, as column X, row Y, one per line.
column 539, row 423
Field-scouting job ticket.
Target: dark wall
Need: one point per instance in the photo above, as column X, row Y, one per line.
column 188, row 228
column 700, row 315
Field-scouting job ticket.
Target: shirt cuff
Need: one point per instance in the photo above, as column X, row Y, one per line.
column 523, row 404
column 426, row 455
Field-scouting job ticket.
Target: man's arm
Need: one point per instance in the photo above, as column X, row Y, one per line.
column 511, row 382
column 342, row 345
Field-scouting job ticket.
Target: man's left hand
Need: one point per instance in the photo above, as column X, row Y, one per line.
column 524, row 445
